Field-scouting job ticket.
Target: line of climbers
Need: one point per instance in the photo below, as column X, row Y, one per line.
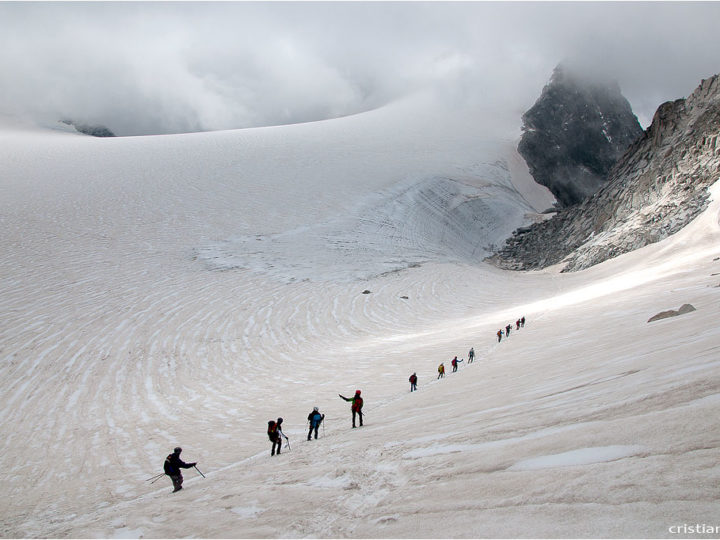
column 173, row 463
column 315, row 419
column 520, row 323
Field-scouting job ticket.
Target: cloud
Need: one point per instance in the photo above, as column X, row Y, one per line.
column 142, row 68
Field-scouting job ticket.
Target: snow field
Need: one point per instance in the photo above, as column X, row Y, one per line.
column 118, row 343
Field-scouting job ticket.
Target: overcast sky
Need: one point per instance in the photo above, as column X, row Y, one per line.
column 142, row 68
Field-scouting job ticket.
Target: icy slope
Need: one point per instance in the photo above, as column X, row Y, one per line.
column 435, row 219
column 588, row 422
column 115, row 334
column 120, row 339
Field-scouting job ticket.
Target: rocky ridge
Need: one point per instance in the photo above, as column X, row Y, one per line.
column 87, row 129
column 656, row 188
column 574, row 134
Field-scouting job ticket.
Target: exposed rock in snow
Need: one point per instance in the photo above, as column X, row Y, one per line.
column 87, row 129
column 575, row 133
column 685, row 308
column 655, row 190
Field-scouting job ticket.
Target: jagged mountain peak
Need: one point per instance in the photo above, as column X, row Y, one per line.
column 656, row 188
column 670, row 114
column 575, row 132
column 573, row 76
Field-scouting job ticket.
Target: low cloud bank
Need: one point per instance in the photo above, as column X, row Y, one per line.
column 141, row 68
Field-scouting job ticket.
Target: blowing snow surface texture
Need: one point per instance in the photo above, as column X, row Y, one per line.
column 118, row 343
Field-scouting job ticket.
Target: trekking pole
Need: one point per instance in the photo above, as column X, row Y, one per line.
column 198, row 470
column 155, row 477
column 158, row 478
column 286, row 439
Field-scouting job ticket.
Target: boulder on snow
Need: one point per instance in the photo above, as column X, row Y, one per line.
column 685, row 308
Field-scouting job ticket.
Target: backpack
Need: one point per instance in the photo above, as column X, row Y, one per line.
column 167, row 467
column 357, row 404
column 272, row 429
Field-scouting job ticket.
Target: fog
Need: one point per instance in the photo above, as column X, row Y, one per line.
column 152, row 68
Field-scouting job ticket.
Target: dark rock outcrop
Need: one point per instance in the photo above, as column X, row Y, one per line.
column 95, row 131
column 575, row 133
column 656, row 189
column 685, row 308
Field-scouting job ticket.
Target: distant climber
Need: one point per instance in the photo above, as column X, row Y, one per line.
column 275, row 435
column 507, row 330
column 517, row 324
column 356, row 408
column 522, row 321
column 455, row 363
column 441, row 371
column 172, row 467
column 315, row 419
column 413, row 382
column 499, row 335
column 471, row 355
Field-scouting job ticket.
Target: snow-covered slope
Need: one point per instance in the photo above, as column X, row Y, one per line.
column 185, row 289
